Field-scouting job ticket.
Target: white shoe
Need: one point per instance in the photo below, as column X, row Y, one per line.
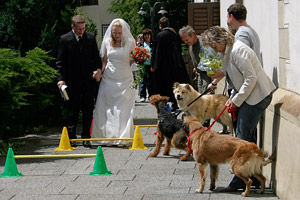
column 142, row 99
column 227, row 132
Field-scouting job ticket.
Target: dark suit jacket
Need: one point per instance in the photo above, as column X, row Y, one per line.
column 76, row 62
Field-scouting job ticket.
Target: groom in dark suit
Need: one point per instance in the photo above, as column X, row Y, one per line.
column 79, row 67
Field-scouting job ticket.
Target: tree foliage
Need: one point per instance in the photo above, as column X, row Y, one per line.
column 27, row 89
column 29, row 95
column 24, row 89
column 25, row 25
column 127, row 9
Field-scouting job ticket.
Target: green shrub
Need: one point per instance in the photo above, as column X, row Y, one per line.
column 25, row 90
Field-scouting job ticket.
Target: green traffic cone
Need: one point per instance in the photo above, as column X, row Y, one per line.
column 100, row 165
column 10, row 169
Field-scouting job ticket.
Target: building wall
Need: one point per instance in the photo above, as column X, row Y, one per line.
column 291, row 42
column 277, row 23
column 100, row 15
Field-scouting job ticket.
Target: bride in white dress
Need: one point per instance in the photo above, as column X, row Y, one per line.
column 113, row 116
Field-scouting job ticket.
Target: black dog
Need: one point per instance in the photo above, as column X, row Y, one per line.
column 170, row 127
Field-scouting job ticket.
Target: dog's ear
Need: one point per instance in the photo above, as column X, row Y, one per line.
column 185, row 124
column 165, row 98
column 188, row 87
column 154, row 99
column 151, row 97
column 186, row 128
column 175, row 85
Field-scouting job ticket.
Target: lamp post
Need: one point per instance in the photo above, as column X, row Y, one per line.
column 152, row 12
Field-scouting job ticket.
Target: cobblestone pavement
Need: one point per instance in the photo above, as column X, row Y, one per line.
column 134, row 174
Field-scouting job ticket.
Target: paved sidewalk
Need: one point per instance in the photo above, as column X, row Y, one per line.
column 134, row 175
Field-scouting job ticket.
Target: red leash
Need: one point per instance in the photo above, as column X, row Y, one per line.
column 192, row 133
column 217, row 118
column 232, row 111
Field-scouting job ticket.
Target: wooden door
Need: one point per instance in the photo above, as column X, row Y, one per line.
column 201, row 16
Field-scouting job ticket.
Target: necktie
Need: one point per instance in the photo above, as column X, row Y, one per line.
column 79, row 38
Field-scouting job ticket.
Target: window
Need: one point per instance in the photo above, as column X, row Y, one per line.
column 104, row 28
column 89, row 2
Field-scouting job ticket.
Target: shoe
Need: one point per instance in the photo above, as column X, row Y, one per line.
column 228, row 189
column 125, row 144
column 227, row 132
column 73, row 144
column 142, row 99
column 87, row 144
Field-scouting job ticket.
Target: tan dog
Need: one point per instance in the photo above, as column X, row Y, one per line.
column 170, row 127
column 206, row 107
column 246, row 159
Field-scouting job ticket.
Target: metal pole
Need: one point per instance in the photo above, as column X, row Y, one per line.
column 152, row 14
column 55, row 156
column 99, row 139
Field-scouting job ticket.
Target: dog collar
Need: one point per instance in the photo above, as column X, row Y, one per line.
column 189, row 139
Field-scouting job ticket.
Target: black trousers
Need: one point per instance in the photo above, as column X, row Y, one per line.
column 147, row 83
column 83, row 101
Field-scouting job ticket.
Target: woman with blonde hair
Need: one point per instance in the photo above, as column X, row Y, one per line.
column 113, row 116
column 252, row 88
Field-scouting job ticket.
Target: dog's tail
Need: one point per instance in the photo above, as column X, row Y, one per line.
column 270, row 159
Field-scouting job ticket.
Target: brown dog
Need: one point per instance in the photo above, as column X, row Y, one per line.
column 206, row 107
column 246, row 159
column 170, row 127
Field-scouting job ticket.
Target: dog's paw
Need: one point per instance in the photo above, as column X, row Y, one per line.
column 260, row 191
column 183, row 158
column 152, row 155
column 199, row 190
column 166, row 153
column 212, row 187
column 244, row 194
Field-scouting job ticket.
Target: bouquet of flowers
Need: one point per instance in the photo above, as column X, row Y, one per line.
column 139, row 55
column 209, row 60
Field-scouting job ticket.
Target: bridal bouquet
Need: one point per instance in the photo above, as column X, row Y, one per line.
column 209, row 60
column 139, row 56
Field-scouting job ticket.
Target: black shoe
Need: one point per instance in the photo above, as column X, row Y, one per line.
column 87, row 144
column 73, row 144
column 228, row 189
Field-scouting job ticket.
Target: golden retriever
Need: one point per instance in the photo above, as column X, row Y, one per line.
column 246, row 159
column 206, row 107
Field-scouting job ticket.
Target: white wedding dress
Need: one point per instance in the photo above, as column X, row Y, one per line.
column 113, row 116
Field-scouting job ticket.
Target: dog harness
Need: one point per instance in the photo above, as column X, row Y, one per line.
column 189, row 140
